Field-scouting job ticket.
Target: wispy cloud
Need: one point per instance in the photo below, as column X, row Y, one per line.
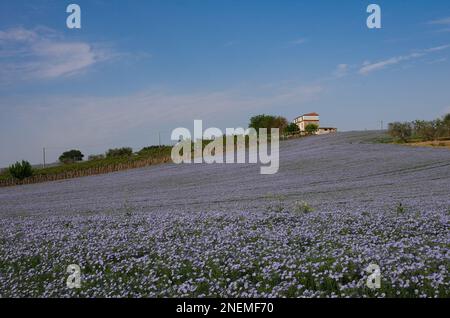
column 298, row 41
column 341, row 71
column 371, row 67
column 443, row 21
column 42, row 53
column 437, row 48
column 368, row 67
column 437, row 61
column 230, row 43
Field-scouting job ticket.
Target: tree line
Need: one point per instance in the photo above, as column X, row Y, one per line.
column 23, row 169
column 286, row 128
column 421, row 130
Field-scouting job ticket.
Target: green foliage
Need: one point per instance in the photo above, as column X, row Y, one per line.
column 384, row 139
column 400, row 209
column 277, row 203
column 421, row 130
column 21, row 170
column 292, row 129
column 158, row 156
column 311, row 129
column 400, row 131
column 425, row 130
column 155, row 150
column 71, row 156
column 269, row 122
column 119, row 152
column 446, row 119
column 302, row 207
column 96, row 157
column 443, row 127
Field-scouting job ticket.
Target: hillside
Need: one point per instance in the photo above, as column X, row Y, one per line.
column 338, row 204
column 346, row 169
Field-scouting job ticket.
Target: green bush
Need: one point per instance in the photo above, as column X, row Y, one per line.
column 311, row 129
column 292, row 129
column 421, row 130
column 21, row 170
column 119, row 152
column 154, row 150
column 269, row 122
column 400, row 131
column 71, row 156
column 302, row 207
column 96, row 157
column 425, row 130
column 400, row 209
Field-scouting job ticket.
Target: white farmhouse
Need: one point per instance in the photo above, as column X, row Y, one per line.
column 312, row 118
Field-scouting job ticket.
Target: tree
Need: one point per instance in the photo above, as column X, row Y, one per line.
column 400, row 131
column 96, row 157
column 311, row 129
column 280, row 123
column 292, row 129
column 119, row 152
column 268, row 121
column 421, row 129
column 71, row 156
column 425, row 130
column 21, row 170
column 447, row 119
column 446, row 124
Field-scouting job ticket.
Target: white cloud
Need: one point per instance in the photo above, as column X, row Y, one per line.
column 341, row 70
column 444, row 21
column 437, row 61
column 437, row 48
column 371, row 67
column 299, row 41
column 368, row 67
column 17, row 35
column 42, row 54
column 230, row 43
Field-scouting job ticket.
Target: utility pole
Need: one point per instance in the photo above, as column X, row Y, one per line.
column 43, row 155
column 382, row 125
column 159, row 139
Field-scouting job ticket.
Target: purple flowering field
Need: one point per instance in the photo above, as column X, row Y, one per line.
column 339, row 203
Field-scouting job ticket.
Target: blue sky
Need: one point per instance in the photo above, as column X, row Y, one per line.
column 137, row 68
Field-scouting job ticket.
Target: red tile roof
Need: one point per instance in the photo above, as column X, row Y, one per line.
column 311, row 114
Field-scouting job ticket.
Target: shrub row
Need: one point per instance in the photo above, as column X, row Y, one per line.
column 420, row 130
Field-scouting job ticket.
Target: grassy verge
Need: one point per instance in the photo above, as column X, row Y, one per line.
column 155, row 155
column 434, row 144
column 417, row 142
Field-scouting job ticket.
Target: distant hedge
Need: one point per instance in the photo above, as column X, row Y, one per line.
column 119, row 152
column 21, row 170
column 421, row 129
